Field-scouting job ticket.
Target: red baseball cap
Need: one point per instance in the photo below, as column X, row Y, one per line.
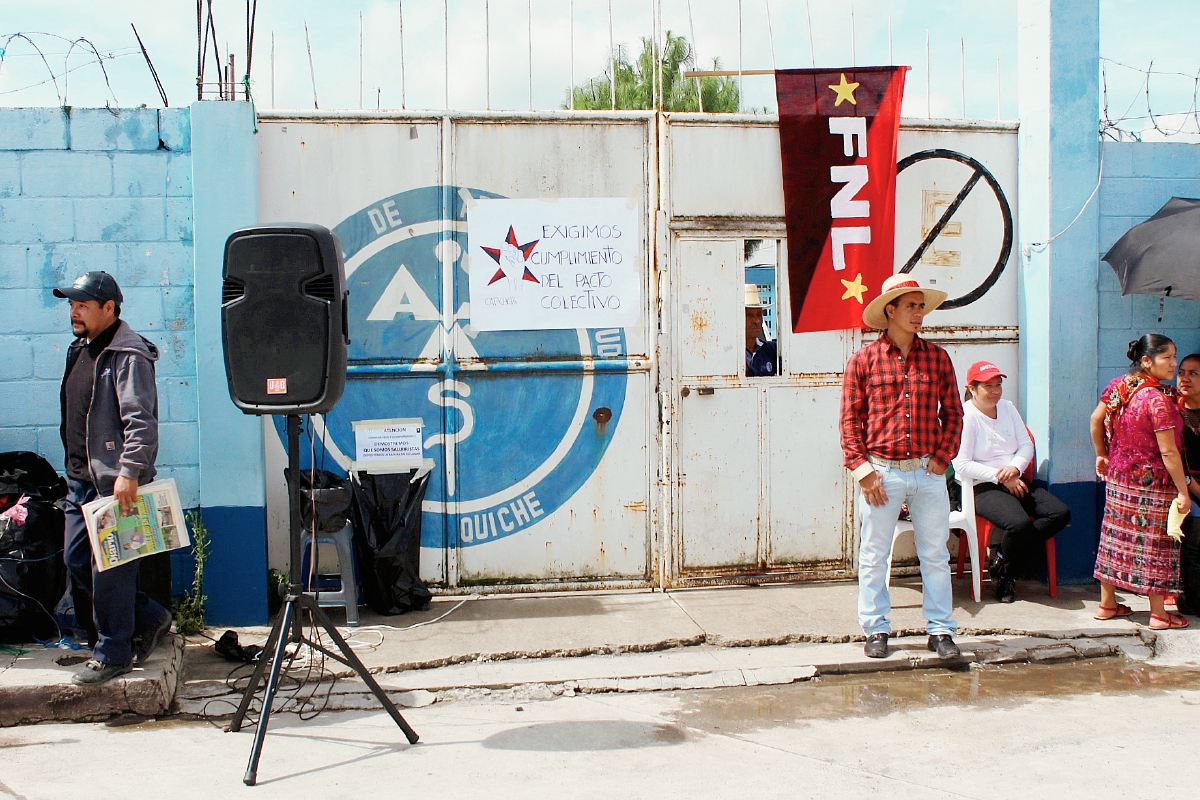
column 983, row 371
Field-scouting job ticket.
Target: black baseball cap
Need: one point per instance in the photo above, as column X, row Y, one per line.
column 93, row 286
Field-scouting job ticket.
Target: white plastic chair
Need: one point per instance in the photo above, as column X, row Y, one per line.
column 959, row 520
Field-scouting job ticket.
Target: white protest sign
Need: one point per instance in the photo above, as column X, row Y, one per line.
column 547, row 264
column 387, row 444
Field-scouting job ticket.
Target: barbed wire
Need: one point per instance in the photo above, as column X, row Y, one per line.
column 80, row 43
column 1112, row 129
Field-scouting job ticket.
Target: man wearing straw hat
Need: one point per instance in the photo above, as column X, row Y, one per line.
column 762, row 354
column 901, row 420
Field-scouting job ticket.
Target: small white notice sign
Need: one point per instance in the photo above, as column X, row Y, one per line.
column 382, row 445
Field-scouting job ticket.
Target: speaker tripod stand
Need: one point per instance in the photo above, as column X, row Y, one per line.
column 289, row 628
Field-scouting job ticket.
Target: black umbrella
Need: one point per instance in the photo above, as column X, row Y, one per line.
column 1161, row 256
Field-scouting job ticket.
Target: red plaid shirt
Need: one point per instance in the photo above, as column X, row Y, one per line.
column 895, row 407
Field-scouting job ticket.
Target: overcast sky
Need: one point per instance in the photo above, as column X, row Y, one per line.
column 986, row 28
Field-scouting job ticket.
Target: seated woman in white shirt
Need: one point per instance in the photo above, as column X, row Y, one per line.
column 995, row 451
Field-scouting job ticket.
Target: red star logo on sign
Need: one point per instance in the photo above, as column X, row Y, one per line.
column 506, row 257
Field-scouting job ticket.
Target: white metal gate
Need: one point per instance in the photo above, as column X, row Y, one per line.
column 542, row 440
column 625, row 457
column 757, row 490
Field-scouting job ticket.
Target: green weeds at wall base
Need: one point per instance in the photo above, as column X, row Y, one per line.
column 189, row 609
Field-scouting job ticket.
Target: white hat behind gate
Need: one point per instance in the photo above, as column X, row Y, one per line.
column 753, row 297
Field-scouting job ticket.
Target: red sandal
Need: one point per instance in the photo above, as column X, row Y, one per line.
column 1105, row 613
column 1172, row 621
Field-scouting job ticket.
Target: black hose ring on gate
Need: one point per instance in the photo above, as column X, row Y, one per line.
column 980, row 171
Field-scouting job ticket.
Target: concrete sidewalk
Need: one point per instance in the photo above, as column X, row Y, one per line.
column 541, row 645
column 578, row 624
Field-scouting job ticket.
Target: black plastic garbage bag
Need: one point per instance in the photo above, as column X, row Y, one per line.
column 325, row 494
column 33, row 577
column 387, row 540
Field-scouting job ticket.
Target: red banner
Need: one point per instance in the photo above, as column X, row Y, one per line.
column 838, row 132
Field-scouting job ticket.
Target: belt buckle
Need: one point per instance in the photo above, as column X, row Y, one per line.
column 908, row 464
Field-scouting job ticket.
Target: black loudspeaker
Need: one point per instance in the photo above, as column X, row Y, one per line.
column 283, row 319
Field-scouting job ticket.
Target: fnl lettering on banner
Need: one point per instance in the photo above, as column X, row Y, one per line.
column 550, row 264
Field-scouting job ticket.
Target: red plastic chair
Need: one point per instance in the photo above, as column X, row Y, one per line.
column 983, row 530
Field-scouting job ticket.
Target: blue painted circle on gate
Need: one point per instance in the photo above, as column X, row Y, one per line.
column 523, row 442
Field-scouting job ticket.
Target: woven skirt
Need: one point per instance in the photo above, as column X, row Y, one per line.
column 1135, row 552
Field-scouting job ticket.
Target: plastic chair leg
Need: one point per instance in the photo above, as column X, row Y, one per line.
column 1052, row 567
column 984, row 529
column 962, row 552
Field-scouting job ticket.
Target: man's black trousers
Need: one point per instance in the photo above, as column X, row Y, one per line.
column 120, row 611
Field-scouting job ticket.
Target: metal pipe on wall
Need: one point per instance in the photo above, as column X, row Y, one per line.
column 487, row 49
column 612, row 59
column 529, row 37
column 770, row 32
column 403, row 97
column 445, row 53
column 739, row 9
column 572, row 50
column 812, row 50
column 696, row 58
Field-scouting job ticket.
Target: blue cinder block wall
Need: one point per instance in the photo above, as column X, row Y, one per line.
column 90, row 189
column 232, row 482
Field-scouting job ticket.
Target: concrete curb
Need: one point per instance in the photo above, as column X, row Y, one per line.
column 672, row 671
column 38, row 689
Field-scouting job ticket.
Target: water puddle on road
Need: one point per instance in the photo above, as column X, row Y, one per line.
column 880, row 693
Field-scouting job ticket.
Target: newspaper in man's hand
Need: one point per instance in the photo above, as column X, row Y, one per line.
column 155, row 526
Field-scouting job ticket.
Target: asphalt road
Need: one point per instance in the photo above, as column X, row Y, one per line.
column 1095, row 729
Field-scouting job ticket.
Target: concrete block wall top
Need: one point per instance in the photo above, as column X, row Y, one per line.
column 34, row 129
column 85, row 189
column 119, row 129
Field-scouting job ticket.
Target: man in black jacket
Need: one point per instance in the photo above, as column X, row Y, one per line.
column 110, row 434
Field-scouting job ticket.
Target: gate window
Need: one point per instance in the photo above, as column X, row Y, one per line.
column 759, row 258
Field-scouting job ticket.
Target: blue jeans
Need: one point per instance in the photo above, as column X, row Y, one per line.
column 119, row 609
column 929, row 509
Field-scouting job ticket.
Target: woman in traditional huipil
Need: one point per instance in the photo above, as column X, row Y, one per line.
column 1137, row 431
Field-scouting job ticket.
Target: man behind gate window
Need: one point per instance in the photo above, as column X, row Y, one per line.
column 762, row 354
column 901, row 420
column 110, row 435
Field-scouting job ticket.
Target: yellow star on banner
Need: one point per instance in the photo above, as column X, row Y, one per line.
column 845, row 91
column 854, row 288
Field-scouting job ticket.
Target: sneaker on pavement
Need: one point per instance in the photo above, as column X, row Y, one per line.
column 152, row 640
column 94, row 672
column 943, row 644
